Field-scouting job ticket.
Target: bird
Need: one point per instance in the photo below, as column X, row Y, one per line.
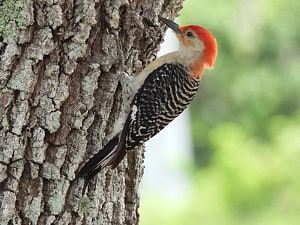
column 161, row 91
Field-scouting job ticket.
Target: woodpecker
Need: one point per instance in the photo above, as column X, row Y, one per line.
column 161, row 92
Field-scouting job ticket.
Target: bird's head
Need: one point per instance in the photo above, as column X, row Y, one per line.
column 198, row 47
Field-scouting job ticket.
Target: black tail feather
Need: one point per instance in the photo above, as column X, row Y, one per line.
column 93, row 166
column 88, row 178
column 118, row 158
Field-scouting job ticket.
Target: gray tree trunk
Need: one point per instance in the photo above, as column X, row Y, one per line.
column 61, row 62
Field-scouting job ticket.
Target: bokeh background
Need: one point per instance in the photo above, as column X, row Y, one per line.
column 243, row 165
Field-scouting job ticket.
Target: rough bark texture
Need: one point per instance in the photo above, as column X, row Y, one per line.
column 61, row 62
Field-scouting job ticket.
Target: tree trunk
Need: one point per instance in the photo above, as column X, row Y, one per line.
column 61, row 63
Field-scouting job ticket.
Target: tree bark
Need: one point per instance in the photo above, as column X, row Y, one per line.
column 61, row 63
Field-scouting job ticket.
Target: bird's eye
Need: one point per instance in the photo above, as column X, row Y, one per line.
column 189, row 34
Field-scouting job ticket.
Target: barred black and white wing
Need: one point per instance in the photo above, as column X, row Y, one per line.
column 166, row 92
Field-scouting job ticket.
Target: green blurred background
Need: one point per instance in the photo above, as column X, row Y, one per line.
column 245, row 120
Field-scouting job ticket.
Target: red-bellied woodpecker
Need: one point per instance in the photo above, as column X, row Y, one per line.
column 161, row 92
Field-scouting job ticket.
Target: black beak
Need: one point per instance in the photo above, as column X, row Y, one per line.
column 174, row 26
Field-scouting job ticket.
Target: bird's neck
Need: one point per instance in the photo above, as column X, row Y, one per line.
column 194, row 63
column 193, row 60
column 197, row 68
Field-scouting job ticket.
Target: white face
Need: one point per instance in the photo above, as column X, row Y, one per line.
column 190, row 45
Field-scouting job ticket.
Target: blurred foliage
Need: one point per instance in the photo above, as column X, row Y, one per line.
column 246, row 119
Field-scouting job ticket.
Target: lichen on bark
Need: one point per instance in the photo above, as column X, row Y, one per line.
column 12, row 18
